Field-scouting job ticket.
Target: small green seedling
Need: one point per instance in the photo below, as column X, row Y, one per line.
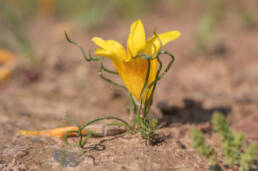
column 233, row 150
column 200, row 146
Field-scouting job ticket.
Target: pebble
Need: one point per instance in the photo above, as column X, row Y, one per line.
column 66, row 158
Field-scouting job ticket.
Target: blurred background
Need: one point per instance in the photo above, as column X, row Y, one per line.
column 216, row 56
column 27, row 26
column 43, row 78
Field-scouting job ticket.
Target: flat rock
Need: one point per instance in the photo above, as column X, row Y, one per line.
column 66, row 158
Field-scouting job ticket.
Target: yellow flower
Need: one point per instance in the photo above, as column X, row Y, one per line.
column 57, row 132
column 6, row 64
column 133, row 70
column 46, row 7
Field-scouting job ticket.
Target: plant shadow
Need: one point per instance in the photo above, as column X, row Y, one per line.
column 192, row 112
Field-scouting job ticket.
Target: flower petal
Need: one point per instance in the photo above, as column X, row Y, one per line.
column 154, row 43
column 5, row 73
column 57, row 132
column 7, row 64
column 136, row 39
column 110, row 49
column 5, row 56
column 134, row 73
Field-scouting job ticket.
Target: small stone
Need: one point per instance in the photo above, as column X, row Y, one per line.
column 66, row 158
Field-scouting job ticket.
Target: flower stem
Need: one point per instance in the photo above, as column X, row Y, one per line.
column 149, row 102
column 132, row 109
column 81, row 129
column 158, row 77
column 106, row 79
column 90, row 58
column 106, row 118
column 144, row 88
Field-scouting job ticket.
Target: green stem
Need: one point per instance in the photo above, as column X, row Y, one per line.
column 169, row 64
column 90, row 58
column 145, row 56
column 161, row 75
column 144, row 87
column 71, row 120
column 90, row 133
column 106, row 69
column 106, row 118
column 83, row 142
column 66, row 136
column 109, row 71
column 106, row 79
column 149, row 102
column 132, row 108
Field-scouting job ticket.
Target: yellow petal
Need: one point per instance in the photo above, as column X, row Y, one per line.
column 154, row 43
column 57, row 132
column 134, row 73
column 110, row 49
column 136, row 40
column 7, row 63
column 5, row 56
column 5, row 73
column 46, row 7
